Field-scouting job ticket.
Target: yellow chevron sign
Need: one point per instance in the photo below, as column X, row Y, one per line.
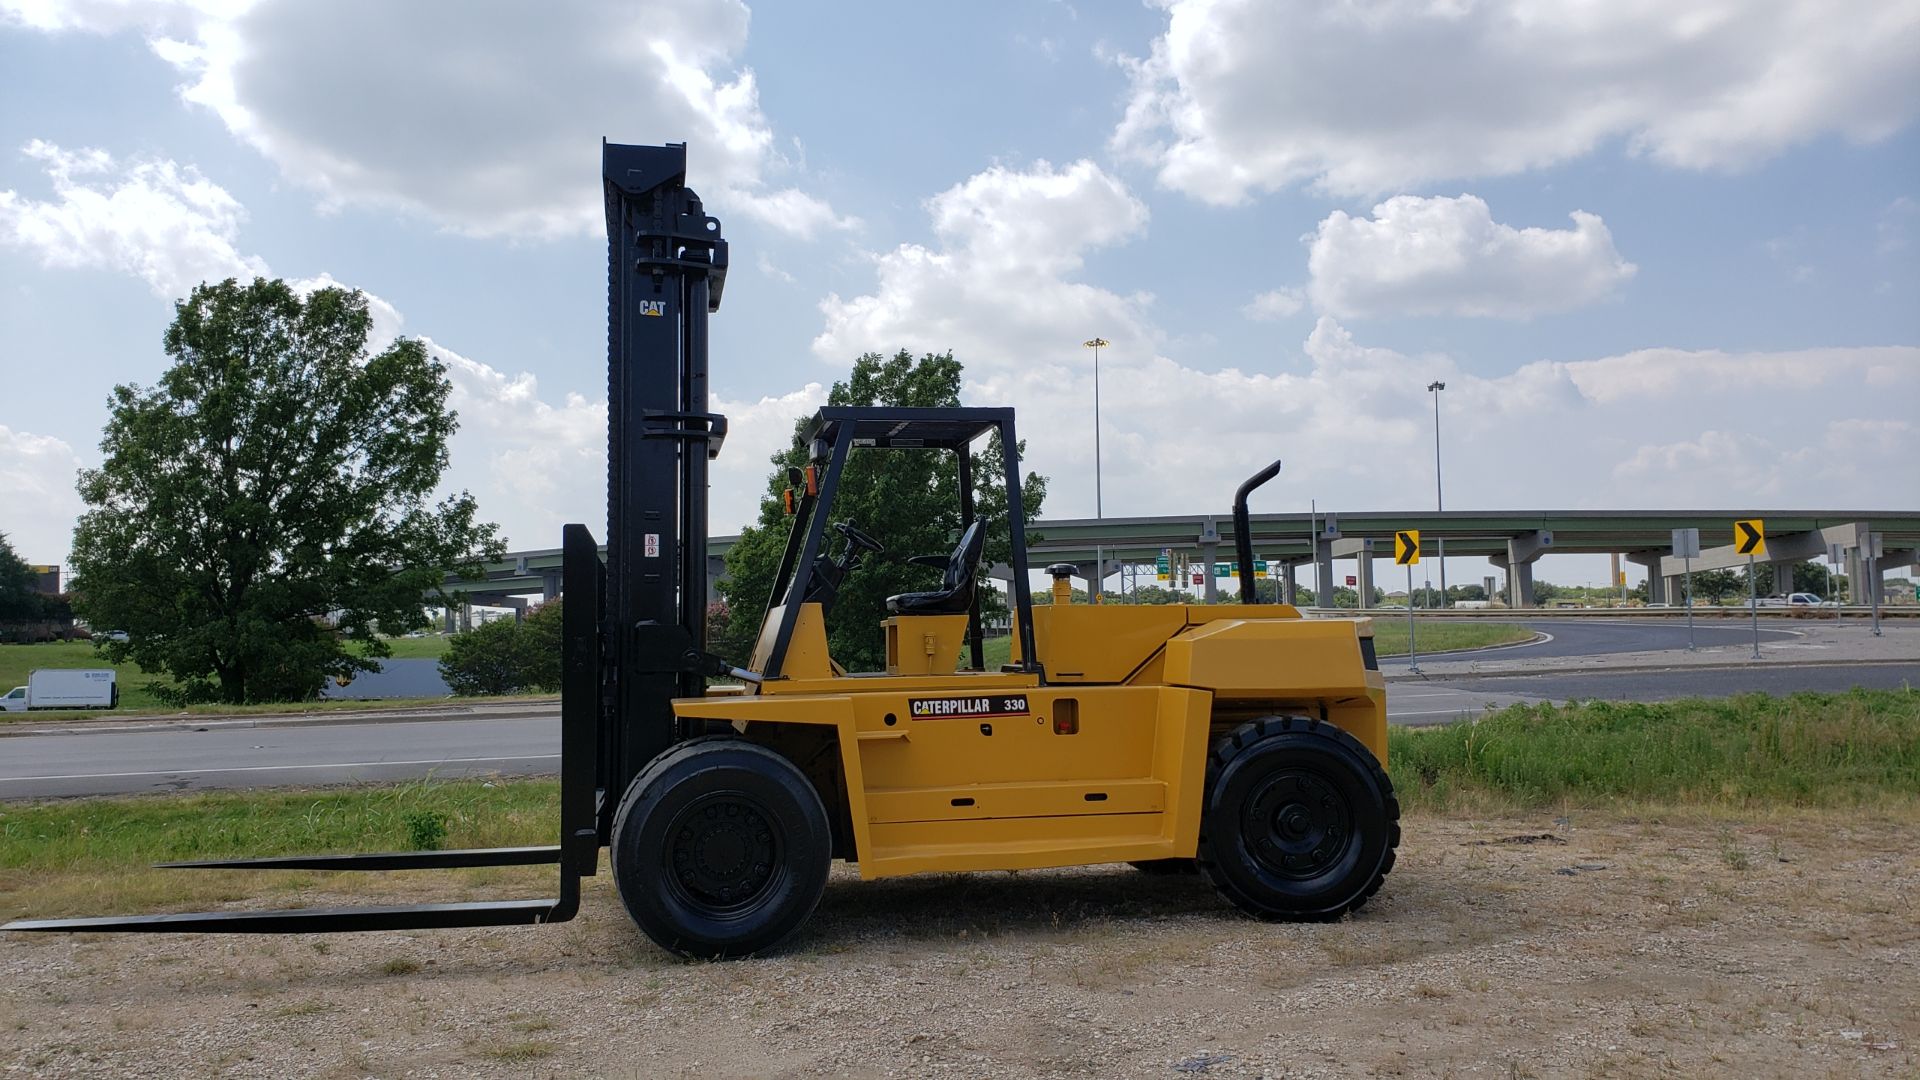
column 1406, row 547
column 1750, row 536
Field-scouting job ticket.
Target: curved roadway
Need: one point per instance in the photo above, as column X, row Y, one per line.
column 516, row 740
column 1592, row 637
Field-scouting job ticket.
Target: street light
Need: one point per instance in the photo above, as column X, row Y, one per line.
column 1439, row 502
column 1099, row 558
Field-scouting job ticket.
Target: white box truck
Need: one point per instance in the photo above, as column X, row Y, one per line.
column 64, row 688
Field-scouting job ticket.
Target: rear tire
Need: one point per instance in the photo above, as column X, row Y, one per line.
column 720, row 848
column 1300, row 821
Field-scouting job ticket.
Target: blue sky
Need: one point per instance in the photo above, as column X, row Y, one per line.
column 1664, row 255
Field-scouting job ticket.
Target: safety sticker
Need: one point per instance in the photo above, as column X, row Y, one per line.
column 967, row 708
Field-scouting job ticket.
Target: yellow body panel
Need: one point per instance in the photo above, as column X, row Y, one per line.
column 947, row 771
column 923, row 644
column 806, row 652
column 944, row 793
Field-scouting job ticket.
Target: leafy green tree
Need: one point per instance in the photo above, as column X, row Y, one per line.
column 1713, row 586
column 507, row 656
column 19, row 596
column 907, row 500
column 268, row 501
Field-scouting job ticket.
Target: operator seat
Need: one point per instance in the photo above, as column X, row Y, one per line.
column 955, row 594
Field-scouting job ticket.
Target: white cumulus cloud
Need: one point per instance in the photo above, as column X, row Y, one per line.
column 1275, row 304
column 1243, row 96
column 37, row 476
column 483, row 117
column 1442, row 256
column 155, row 219
column 1354, row 426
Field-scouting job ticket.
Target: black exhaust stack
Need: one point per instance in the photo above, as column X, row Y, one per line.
column 1243, row 531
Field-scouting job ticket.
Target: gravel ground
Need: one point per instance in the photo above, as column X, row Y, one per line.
column 1607, row 946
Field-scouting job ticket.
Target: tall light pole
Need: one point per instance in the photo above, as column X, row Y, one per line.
column 1439, row 501
column 1099, row 557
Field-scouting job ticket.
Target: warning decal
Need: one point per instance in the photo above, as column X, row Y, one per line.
column 967, row 708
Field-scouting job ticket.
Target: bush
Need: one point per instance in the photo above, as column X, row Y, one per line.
column 507, row 657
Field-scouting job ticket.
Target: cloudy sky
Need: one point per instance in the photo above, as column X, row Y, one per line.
column 1663, row 255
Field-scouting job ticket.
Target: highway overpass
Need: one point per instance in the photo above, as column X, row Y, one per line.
column 1512, row 540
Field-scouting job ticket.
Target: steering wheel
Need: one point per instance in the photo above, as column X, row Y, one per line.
column 855, row 536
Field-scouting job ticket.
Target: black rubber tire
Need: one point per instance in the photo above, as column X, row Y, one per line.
column 1300, row 821
column 720, row 848
column 1166, row 867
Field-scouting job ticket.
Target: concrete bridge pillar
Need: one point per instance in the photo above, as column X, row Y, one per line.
column 549, row 585
column 1323, row 577
column 1361, row 550
column 1208, row 553
column 1522, row 550
column 1656, row 583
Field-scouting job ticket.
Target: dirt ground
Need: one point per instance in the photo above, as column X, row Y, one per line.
column 1521, row 947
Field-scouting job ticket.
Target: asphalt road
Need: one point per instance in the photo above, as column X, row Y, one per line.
column 181, row 758
column 526, row 742
column 1710, row 682
column 1592, row 637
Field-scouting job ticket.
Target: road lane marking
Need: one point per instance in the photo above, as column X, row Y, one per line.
column 275, row 768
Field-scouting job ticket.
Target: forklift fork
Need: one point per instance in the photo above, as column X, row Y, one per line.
column 577, row 854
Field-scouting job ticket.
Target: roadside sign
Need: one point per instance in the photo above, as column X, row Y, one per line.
column 1351, row 580
column 1876, row 545
column 1198, row 580
column 1750, row 536
column 1259, row 568
column 1406, row 547
column 1623, row 578
column 1836, row 553
column 1686, row 543
column 1163, row 566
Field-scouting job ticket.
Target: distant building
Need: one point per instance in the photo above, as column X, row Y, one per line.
column 47, row 580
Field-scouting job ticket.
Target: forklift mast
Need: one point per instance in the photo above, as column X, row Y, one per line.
column 666, row 267
column 632, row 629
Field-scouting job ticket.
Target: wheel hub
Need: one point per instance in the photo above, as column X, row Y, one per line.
column 1297, row 825
column 721, row 851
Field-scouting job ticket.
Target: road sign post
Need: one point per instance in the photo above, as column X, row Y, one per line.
column 1406, row 552
column 1750, row 539
column 1686, row 544
column 1836, row 554
column 1876, row 547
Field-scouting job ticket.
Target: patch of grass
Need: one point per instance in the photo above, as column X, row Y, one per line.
column 17, row 661
column 426, row 647
column 400, row 965
column 426, row 830
column 1390, row 636
column 135, row 831
column 1855, row 748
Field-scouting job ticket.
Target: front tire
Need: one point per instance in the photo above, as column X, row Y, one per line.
column 720, row 848
column 1300, row 821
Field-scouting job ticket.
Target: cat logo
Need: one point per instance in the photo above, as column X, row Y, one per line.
column 656, row 308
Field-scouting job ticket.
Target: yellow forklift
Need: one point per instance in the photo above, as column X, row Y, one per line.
column 1240, row 741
